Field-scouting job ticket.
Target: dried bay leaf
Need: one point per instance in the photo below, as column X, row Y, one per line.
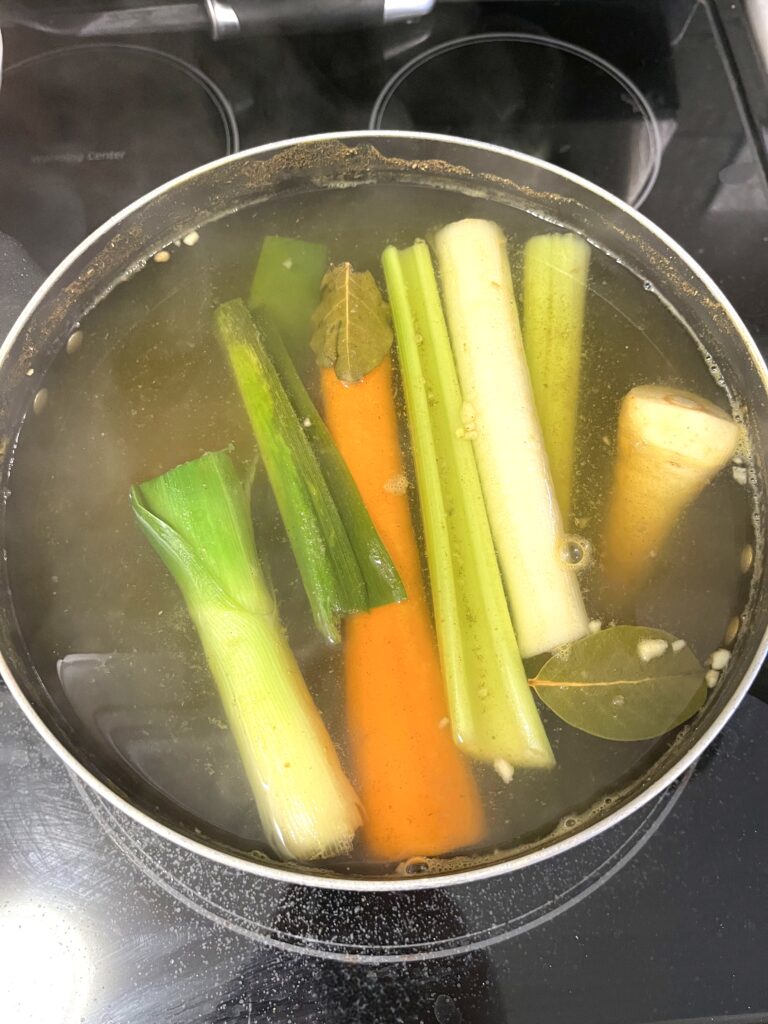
column 352, row 332
column 601, row 685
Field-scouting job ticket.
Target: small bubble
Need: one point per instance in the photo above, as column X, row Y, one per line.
column 647, row 286
column 747, row 557
column 576, row 551
column 40, row 401
column 415, row 866
column 74, row 341
column 731, row 631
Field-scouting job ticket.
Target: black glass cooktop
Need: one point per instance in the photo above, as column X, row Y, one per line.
column 661, row 920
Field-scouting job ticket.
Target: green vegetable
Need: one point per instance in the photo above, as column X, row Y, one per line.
column 554, row 296
column 547, row 607
column 286, row 284
column 623, row 683
column 382, row 582
column 197, row 518
column 326, row 561
column 352, row 330
column 493, row 713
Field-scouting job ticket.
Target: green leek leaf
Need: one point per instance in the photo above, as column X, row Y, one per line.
column 321, row 546
column 382, row 582
column 286, row 284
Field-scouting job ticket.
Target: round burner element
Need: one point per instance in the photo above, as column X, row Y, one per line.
column 376, row 927
column 540, row 96
column 85, row 130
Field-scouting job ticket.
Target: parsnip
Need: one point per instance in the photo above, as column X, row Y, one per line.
column 670, row 444
column 500, row 416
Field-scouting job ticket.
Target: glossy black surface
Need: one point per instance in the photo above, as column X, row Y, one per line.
column 108, row 925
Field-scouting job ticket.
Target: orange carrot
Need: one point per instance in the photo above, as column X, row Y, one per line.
column 418, row 791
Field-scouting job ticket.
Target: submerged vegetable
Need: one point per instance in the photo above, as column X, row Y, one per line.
column 382, row 582
column 670, row 444
column 286, row 284
column 197, row 517
column 417, row 790
column 547, row 607
column 554, row 296
column 321, row 546
column 493, row 713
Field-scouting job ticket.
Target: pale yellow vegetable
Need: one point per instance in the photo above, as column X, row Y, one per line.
column 670, row 444
column 501, row 420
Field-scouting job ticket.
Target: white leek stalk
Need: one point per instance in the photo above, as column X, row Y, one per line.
column 197, row 517
column 544, row 595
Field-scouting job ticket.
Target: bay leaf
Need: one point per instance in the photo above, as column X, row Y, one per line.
column 352, row 331
column 601, row 685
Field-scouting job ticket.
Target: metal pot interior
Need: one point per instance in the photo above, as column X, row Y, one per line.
column 131, row 238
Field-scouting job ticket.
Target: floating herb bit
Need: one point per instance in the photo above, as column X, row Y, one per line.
column 197, row 517
column 670, row 444
column 352, row 329
column 606, row 684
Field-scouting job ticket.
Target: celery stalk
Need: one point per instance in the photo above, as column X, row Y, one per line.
column 286, row 283
column 493, row 713
column 543, row 589
column 326, row 561
column 554, row 296
column 382, row 582
column 197, row 517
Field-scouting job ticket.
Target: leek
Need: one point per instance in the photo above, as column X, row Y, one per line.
column 493, row 713
column 382, row 582
column 321, row 546
column 286, row 283
column 554, row 297
column 544, row 594
column 197, row 518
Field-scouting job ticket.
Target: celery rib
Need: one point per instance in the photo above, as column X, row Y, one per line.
column 493, row 713
column 554, row 297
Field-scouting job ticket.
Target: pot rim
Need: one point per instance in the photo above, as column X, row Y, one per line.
column 482, row 872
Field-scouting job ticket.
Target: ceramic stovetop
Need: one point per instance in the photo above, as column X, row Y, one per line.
column 662, row 919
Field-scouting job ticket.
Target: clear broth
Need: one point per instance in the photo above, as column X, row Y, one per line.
column 148, row 389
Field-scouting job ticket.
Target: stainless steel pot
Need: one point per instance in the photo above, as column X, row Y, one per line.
column 348, row 160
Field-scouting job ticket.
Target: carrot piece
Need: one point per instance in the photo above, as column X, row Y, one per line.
column 418, row 791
